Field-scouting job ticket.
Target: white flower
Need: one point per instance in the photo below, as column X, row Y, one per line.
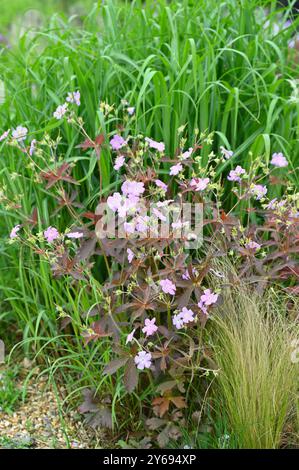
column 143, row 360
column 60, row 111
column 20, row 133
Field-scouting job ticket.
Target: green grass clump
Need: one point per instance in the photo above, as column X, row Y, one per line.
column 257, row 385
column 10, row 394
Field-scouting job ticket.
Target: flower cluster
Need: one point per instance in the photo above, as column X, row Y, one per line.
column 157, row 293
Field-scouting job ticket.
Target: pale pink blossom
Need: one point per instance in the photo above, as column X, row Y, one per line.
column 32, row 147
column 227, row 154
column 20, row 133
column 129, row 227
column 161, row 185
column 203, row 307
column 235, row 175
column 199, row 184
column 131, row 110
column 143, row 360
column 142, row 223
column 177, row 321
column 114, row 201
column 130, row 336
column 168, row 287
column 208, row 297
column 119, row 162
column 176, row 169
column 60, row 111
column 75, row 235
column 187, row 315
column 259, row 191
column 14, row 232
column 186, row 275
column 187, row 154
column 130, row 255
column 279, row 160
column 160, row 146
column 251, row 245
column 132, row 188
column 74, row 97
column 4, row 135
column 51, row 234
column 117, row 142
column 150, row 328
column 159, row 214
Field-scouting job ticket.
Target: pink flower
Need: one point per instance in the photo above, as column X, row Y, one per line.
column 75, row 235
column 160, row 146
column 167, row 286
column 74, row 97
column 150, row 328
column 129, row 227
column 143, row 360
column 131, row 110
column 227, row 154
column 251, row 245
column 4, row 135
column 279, row 160
column 142, row 223
column 119, row 162
column 117, row 142
column 114, row 201
column 176, row 169
column 187, row 154
column 51, row 234
column 272, row 204
column 202, row 307
column 208, row 297
column 132, row 188
column 130, row 336
column 20, row 133
column 130, row 254
column 60, row 111
column 161, row 185
column 235, row 175
column 187, row 315
column 159, row 214
column 14, row 232
column 177, row 321
column 259, row 191
column 199, row 184
column 32, row 147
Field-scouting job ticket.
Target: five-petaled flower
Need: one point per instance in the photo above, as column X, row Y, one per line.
column 235, row 175
column 60, row 111
column 209, row 297
column 143, row 360
column 259, row 191
column 199, row 184
column 150, row 328
column 20, row 133
column 279, row 160
column 119, row 162
column 168, row 287
column 117, row 142
column 74, row 97
column 176, row 169
column 160, row 146
column 51, row 234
